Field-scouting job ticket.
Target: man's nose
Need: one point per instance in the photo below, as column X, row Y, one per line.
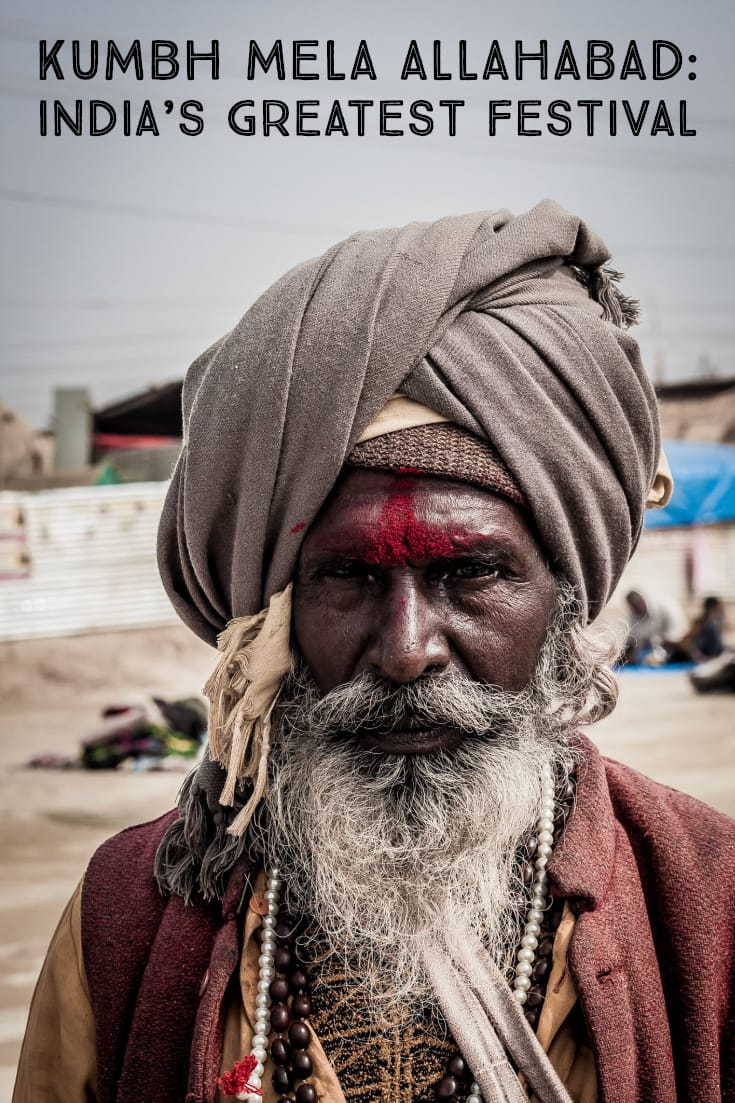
column 408, row 639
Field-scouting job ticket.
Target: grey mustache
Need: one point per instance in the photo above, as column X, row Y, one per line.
column 371, row 704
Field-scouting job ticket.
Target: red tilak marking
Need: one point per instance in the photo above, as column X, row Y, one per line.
column 399, row 536
column 299, row 527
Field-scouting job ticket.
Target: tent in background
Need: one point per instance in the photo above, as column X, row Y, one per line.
column 687, row 550
column 704, row 485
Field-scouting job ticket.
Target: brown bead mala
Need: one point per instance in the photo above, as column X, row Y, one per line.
column 292, row 1006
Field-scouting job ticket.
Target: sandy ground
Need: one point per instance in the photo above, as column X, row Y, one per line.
column 50, row 821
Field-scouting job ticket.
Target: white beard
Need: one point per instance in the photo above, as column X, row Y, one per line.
column 386, row 853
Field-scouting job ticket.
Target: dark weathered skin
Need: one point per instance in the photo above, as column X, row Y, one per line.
column 407, row 575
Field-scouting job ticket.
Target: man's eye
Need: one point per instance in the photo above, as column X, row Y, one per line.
column 349, row 571
column 474, row 569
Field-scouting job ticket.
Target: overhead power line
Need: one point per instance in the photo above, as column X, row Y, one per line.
column 99, row 368
column 139, row 210
column 120, row 304
column 103, row 341
column 207, row 302
column 272, row 225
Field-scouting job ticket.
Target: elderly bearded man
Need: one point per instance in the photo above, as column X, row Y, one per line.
column 410, row 475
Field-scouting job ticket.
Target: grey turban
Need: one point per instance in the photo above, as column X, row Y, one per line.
column 489, row 319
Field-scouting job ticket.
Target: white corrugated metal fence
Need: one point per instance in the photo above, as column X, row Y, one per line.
column 683, row 563
column 79, row 559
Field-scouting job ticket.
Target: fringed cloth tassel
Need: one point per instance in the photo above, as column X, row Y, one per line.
column 243, row 691
column 623, row 312
column 601, row 281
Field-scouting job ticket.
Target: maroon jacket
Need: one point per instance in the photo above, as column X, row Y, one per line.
column 647, row 870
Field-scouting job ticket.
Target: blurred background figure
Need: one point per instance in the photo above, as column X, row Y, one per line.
column 656, row 628
column 704, row 638
column 715, row 671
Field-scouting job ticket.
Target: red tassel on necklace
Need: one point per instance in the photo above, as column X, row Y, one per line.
column 236, row 1081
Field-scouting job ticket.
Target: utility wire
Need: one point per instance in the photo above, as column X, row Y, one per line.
column 119, row 304
column 139, row 210
column 124, row 303
column 271, row 225
column 98, row 368
column 103, row 341
column 91, row 345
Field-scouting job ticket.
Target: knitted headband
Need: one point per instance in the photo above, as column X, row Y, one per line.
column 443, row 450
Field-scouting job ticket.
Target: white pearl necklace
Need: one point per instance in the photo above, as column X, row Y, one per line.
column 266, row 973
column 523, row 969
column 539, row 889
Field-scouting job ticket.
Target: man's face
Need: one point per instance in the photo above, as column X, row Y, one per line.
column 406, row 576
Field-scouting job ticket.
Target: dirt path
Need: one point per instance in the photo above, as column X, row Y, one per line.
column 51, row 821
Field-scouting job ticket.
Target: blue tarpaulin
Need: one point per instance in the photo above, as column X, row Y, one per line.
column 704, row 485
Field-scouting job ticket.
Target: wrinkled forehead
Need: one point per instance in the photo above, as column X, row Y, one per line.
column 413, row 513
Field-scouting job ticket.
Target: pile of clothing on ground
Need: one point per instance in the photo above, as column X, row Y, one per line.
column 132, row 737
column 716, row 675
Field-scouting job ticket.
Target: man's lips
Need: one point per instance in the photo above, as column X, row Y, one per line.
column 409, row 736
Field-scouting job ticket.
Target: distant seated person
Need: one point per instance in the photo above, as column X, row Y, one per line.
column 656, row 628
column 704, row 638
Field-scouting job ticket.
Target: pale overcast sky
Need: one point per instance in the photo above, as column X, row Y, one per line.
column 124, row 256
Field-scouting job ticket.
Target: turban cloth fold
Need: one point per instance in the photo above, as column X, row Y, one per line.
column 489, row 319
